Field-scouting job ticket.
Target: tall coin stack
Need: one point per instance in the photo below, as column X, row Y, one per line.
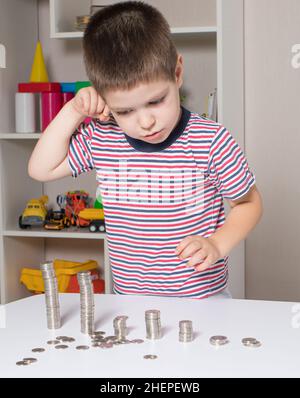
column 87, row 306
column 51, row 295
column 120, row 327
column 153, row 325
column 185, row 331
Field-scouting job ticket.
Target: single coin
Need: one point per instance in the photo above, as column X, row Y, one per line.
column 82, row 347
column 248, row 340
column 30, row 360
column 150, row 356
column 137, row 341
column 53, row 342
column 67, row 340
column 22, row 363
column 61, row 346
column 61, row 337
column 106, row 345
column 38, row 350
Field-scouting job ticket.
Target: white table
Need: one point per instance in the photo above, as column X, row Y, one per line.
column 273, row 323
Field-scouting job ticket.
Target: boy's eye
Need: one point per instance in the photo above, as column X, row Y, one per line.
column 157, row 102
column 124, row 113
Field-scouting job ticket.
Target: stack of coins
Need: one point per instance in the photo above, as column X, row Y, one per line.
column 218, row 340
column 153, row 325
column 87, row 306
column 251, row 342
column 186, row 331
column 120, row 327
column 51, row 295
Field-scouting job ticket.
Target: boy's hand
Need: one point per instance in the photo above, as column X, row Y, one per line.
column 203, row 252
column 87, row 102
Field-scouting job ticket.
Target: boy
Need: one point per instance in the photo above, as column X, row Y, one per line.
column 162, row 171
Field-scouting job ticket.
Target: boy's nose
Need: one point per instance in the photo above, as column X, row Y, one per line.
column 146, row 121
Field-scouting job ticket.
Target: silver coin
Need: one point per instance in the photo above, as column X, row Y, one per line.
column 61, row 346
column 67, row 340
column 137, row 341
column 38, row 350
column 150, row 356
column 53, row 342
column 251, row 342
column 218, row 340
column 30, row 360
column 82, row 347
column 248, row 340
column 106, row 345
column 22, row 363
column 61, row 337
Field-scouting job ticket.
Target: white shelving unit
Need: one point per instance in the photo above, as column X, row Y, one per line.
column 19, row 248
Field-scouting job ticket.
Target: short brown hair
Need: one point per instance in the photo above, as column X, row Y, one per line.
column 126, row 44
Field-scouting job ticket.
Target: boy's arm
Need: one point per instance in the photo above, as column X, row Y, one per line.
column 242, row 218
column 49, row 158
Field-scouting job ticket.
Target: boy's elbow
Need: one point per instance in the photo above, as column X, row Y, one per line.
column 35, row 174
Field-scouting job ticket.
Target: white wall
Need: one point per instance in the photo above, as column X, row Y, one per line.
column 272, row 96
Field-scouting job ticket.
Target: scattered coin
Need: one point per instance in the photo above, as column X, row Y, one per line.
column 30, row 360
column 38, row 350
column 150, row 356
column 53, row 342
column 61, row 346
column 67, row 340
column 82, row 347
column 22, row 363
column 251, row 342
column 61, row 337
column 218, row 340
column 137, row 341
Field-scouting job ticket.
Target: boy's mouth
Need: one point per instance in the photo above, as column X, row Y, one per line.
column 153, row 136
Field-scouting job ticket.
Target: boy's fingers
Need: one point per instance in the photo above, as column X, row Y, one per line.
column 191, row 249
column 182, row 245
column 106, row 111
column 199, row 257
column 206, row 264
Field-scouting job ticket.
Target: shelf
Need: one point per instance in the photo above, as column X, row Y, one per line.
column 19, row 136
column 190, row 30
column 71, row 233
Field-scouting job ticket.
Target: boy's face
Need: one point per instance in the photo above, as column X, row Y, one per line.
column 149, row 111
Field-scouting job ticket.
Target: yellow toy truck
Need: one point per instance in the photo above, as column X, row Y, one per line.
column 35, row 213
column 96, row 218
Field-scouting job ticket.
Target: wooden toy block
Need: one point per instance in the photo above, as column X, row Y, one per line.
column 38, row 87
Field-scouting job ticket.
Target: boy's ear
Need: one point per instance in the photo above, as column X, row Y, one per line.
column 179, row 71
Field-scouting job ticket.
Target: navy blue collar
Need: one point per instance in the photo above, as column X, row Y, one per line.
column 143, row 146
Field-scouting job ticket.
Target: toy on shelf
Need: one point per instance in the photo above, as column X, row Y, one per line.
column 35, row 213
column 66, row 273
column 57, row 220
column 73, row 202
column 95, row 217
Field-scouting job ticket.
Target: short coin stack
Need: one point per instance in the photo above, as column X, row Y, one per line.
column 51, row 295
column 218, row 340
column 87, row 306
column 153, row 325
column 120, row 327
column 185, row 331
column 251, row 342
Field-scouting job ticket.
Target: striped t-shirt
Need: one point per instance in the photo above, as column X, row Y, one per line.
column 154, row 195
